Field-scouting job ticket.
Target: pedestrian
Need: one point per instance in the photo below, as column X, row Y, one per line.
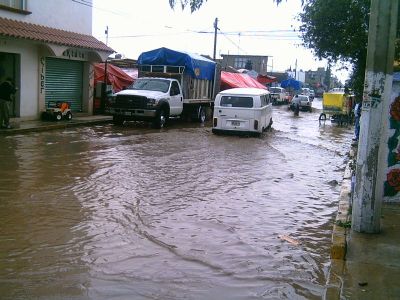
column 7, row 89
column 295, row 105
column 357, row 116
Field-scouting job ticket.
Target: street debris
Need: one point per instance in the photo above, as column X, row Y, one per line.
column 289, row 239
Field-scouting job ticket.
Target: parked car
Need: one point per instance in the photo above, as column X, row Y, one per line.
column 242, row 111
column 304, row 102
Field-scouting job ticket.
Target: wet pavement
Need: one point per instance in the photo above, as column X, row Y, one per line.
column 132, row 212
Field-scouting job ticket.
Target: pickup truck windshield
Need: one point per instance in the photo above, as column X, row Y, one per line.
column 158, row 85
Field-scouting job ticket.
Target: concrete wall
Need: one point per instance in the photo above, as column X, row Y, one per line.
column 27, row 81
column 61, row 14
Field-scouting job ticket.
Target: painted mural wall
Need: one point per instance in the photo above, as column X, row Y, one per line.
column 392, row 182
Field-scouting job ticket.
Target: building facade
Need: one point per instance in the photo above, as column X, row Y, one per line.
column 48, row 51
column 256, row 63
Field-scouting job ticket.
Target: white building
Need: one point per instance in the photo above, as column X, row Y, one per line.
column 48, row 49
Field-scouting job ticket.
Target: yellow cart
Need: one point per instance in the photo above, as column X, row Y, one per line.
column 338, row 106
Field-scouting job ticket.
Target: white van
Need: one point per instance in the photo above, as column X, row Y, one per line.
column 242, row 110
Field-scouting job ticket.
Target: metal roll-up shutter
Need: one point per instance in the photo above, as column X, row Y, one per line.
column 64, row 82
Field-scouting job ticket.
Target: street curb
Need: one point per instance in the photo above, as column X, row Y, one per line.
column 340, row 232
column 52, row 126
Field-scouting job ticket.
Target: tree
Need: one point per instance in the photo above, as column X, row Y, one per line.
column 194, row 4
column 337, row 30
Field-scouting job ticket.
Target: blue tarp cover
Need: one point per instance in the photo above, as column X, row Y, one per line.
column 195, row 65
column 295, row 84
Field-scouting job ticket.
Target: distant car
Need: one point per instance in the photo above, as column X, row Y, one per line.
column 304, row 101
column 306, row 91
column 278, row 95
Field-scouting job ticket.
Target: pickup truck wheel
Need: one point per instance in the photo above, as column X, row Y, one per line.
column 161, row 118
column 117, row 120
column 202, row 114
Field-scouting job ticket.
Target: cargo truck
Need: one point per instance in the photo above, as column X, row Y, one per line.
column 170, row 84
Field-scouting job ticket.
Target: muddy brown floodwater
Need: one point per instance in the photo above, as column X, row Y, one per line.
column 106, row 212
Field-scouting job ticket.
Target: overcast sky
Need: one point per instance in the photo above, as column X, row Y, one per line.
column 252, row 27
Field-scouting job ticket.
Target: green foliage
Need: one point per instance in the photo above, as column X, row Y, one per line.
column 346, row 224
column 337, row 30
column 194, row 4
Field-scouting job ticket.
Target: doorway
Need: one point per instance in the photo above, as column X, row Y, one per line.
column 9, row 67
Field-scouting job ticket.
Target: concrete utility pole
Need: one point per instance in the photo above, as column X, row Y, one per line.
column 104, row 86
column 368, row 194
column 215, row 37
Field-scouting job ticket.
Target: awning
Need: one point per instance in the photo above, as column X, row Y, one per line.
column 48, row 35
column 115, row 76
column 265, row 79
column 235, row 80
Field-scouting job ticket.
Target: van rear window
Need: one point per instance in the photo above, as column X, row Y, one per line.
column 236, row 101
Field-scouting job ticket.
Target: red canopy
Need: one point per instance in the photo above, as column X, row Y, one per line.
column 234, row 80
column 115, row 76
column 265, row 79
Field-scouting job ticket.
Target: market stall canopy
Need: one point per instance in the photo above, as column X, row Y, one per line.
column 265, row 79
column 291, row 83
column 196, row 66
column 115, row 76
column 236, row 80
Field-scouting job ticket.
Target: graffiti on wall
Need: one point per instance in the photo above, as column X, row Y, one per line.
column 392, row 183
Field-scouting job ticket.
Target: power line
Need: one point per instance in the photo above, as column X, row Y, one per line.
column 90, row 4
column 239, row 48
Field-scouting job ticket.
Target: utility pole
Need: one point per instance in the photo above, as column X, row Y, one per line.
column 368, row 196
column 104, row 87
column 215, row 37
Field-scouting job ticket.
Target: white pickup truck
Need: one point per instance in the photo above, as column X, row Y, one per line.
column 170, row 84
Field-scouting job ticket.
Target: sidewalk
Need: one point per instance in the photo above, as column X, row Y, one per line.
column 364, row 266
column 79, row 119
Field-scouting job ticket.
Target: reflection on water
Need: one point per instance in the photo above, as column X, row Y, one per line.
column 136, row 213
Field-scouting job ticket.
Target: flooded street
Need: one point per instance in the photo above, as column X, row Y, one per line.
column 108, row 212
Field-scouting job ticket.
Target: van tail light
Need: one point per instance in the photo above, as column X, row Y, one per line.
column 215, row 122
column 255, row 125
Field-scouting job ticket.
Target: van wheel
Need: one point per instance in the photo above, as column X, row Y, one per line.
column 270, row 124
column 202, row 114
column 161, row 118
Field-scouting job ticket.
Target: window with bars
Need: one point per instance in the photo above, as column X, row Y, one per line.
column 240, row 63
